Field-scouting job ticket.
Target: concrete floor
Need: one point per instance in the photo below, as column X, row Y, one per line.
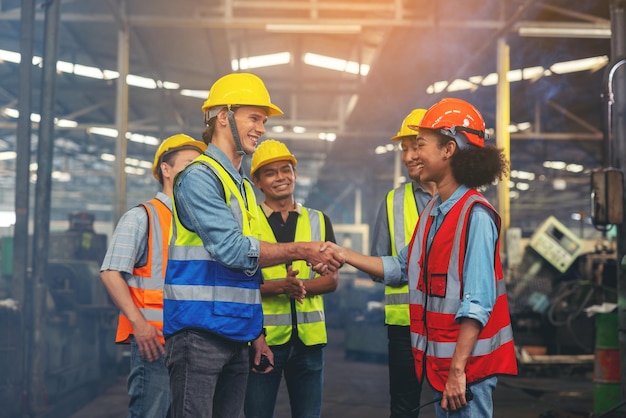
column 359, row 390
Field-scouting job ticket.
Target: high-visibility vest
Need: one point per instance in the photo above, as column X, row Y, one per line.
column 309, row 314
column 402, row 216
column 435, row 300
column 146, row 283
column 202, row 293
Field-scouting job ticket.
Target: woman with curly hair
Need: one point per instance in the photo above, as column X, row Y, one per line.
column 461, row 332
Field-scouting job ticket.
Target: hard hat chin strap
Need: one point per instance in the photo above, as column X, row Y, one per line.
column 233, row 129
column 461, row 140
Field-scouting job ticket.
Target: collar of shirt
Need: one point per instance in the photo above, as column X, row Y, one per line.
column 218, row 155
column 441, row 209
column 417, row 186
column 268, row 211
column 165, row 199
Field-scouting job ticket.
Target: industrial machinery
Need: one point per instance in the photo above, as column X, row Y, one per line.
column 77, row 356
column 548, row 294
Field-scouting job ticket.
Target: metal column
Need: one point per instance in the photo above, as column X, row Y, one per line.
column 23, row 284
column 503, row 137
column 42, row 200
column 121, row 116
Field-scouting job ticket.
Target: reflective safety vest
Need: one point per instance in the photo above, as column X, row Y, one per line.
column 146, row 283
column 402, row 216
column 309, row 314
column 436, row 291
column 202, row 293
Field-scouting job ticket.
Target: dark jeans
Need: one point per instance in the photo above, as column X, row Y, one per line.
column 404, row 388
column 303, row 368
column 208, row 375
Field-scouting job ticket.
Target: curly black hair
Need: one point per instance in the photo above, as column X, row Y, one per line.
column 474, row 166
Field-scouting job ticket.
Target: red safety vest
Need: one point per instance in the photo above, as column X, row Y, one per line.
column 146, row 283
column 436, row 298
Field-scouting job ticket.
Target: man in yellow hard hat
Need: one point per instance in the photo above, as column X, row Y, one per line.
column 395, row 223
column 293, row 306
column 212, row 298
column 133, row 272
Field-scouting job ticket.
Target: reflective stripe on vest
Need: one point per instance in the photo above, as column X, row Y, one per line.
column 146, row 283
column 435, row 300
column 199, row 291
column 402, row 216
column 310, row 316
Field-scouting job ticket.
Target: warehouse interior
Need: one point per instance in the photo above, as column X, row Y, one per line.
column 345, row 73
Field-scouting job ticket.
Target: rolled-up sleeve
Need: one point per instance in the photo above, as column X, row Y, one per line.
column 395, row 268
column 479, row 285
column 201, row 207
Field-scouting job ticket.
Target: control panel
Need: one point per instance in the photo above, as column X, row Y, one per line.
column 556, row 244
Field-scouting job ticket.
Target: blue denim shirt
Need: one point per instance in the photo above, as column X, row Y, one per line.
column 479, row 290
column 202, row 208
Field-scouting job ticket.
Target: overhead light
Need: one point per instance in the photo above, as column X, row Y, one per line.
column 585, row 64
column 565, row 30
column 198, row 94
column 7, row 218
column 10, row 56
column 337, row 64
column 8, row 155
column 515, row 75
column 260, row 61
column 312, row 28
column 139, row 81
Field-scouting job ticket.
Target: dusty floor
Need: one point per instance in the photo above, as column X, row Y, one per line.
column 355, row 389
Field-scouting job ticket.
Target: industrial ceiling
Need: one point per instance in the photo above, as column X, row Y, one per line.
column 390, row 56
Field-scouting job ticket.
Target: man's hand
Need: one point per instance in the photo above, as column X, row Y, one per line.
column 147, row 338
column 260, row 347
column 325, row 258
column 293, row 286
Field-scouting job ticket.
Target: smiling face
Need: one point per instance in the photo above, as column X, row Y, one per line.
column 250, row 122
column 409, row 157
column 432, row 158
column 276, row 180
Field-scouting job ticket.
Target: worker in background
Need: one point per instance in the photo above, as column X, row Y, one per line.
column 461, row 332
column 133, row 272
column 395, row 223
column 293, row 307
column 212, row 298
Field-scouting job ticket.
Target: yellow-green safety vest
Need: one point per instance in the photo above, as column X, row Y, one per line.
column 277, row 313
column 402, row 217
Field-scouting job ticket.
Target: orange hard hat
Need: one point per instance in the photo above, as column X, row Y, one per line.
column 457, row 119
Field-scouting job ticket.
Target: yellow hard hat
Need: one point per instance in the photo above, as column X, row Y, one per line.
column 270, row 151
column 413, row 119
column 240, row 89
column 174, row 143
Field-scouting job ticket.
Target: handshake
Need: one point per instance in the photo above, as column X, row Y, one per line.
column 326, row 257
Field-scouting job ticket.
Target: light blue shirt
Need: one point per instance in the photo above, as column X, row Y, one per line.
column 201, row 207
column 479, row 288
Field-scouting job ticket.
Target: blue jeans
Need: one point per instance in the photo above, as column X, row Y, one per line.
column 404, row 388
column 148, row 386
column 303, row 368
column 208, row 374
column 479, row 407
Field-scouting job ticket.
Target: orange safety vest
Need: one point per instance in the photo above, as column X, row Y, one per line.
column 146, row 283
column 436, row 291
